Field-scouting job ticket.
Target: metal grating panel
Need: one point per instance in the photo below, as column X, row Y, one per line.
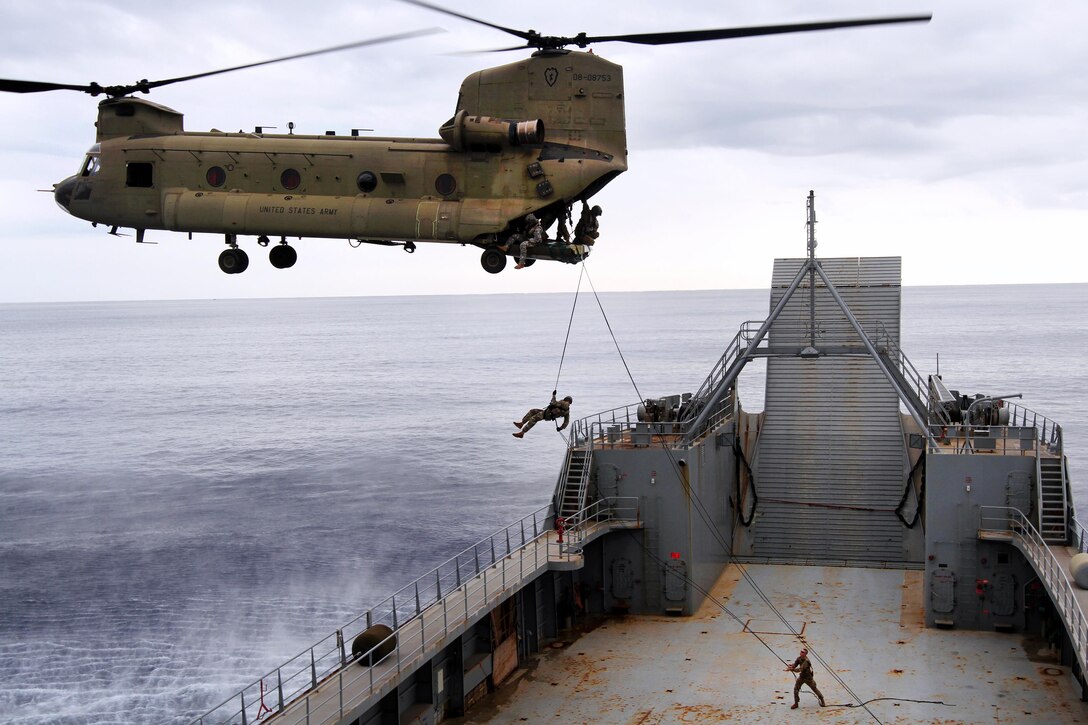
column 831, row 463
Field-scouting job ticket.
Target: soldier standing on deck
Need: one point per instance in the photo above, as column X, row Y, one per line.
column 803, row 668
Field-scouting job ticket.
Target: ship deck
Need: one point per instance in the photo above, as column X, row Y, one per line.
column 865, row 624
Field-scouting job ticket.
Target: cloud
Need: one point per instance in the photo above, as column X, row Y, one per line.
column 968, row 124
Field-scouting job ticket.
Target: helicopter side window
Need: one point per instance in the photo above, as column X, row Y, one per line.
column 445, row 184
column 139, row 174
column 90, row 166
column 367, row 182
column 290, row 179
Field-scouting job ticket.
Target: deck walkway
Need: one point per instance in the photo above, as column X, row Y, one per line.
column 352, row 689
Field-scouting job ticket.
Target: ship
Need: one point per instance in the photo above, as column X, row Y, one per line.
column 919, row 541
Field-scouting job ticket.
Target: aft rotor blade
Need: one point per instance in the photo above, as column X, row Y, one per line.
column 527, row 35
column 694, row 36
column 18, row 86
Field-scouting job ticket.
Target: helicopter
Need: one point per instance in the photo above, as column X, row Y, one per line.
column 532, row 137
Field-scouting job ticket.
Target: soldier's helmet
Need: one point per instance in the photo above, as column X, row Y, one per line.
column 568, row 399
column 596, row 211
column 531, row 218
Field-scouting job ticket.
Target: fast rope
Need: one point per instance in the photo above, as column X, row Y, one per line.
column 610, row 332
column 570, row 322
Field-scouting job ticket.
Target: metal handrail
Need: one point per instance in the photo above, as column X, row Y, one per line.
column 741, row 340
column 884, row 339
column 1027, row 538
column 305, row 670
column 1048, row 433
column 1080, row 535
column 611, row 508
column 459, row 586
column 583, row 427
column 460, row 606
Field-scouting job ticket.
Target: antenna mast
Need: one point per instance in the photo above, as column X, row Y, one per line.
column 811, row 224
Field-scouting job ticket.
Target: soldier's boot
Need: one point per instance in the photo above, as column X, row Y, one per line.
column 519, row 434
column 793, row 706
column 822, row 703
column 518, row 423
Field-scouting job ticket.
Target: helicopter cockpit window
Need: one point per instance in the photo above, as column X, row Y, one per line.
column 139, row 174
column 445, row 184
column 90, row 166
column 290, row 179
column 367, row 182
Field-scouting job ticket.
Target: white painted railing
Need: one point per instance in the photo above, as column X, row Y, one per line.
column 318, row 686
column 1011, row 521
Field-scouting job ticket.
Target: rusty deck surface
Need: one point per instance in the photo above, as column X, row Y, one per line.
column 865, row 624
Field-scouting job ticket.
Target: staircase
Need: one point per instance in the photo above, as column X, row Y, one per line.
column 1052, row 513
column 574, row 484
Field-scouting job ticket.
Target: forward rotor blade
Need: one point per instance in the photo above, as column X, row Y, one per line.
column 13, row 86
column 17, row 86
column 308, row 54
column 694, row 36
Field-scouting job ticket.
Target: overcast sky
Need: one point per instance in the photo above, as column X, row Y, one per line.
column 958, row 145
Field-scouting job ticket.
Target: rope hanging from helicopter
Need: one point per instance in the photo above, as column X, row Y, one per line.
column 570, row 322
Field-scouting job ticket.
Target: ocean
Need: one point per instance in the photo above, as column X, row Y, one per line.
column 192, row 492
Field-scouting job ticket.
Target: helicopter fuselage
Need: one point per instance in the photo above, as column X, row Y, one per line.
column 532, row 136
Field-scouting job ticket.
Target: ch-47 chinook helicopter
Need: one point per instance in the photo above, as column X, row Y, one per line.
column 533, row 136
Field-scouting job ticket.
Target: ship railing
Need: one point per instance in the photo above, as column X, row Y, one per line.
column 304, row 671
column 1011, row 523
column 621, row 427
column 420, row 615
column 1024, row 430
column 922, row 390
column 586, row 430
column 741, row 341
column 603, row 512
column 1078, row 535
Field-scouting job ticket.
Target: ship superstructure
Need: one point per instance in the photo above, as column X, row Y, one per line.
column 894, row 525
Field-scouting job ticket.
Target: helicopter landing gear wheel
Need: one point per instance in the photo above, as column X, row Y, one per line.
column 233, row 261
column 282, row 256
column 493, row 260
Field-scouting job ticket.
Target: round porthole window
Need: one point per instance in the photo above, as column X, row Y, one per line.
column 216, row 176
column 367, row 182
column 445, row 184
column 290, row 179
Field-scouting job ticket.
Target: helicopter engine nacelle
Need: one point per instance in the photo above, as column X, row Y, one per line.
column 483, row 133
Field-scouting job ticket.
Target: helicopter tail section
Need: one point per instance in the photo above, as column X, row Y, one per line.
column 577, row 96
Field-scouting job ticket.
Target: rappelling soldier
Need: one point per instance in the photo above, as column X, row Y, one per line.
column 588, row 227
column 556, row 409
column 803, row 668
